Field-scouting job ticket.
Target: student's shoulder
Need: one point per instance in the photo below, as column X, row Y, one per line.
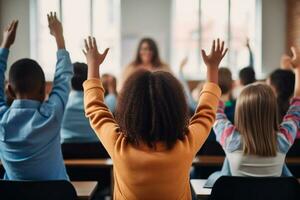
column 47, row 109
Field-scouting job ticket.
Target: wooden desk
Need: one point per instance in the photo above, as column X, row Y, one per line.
column 197, row 185
column 218, row 161
column 85, row 189
column 208, row 161
column 201, row 192
column 102, row 163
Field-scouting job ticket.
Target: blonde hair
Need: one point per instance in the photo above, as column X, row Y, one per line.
column 256, row 119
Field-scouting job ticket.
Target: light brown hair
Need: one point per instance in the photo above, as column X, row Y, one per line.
column 225, row 80
column 256, row 119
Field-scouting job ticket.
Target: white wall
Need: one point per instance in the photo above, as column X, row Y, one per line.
column 17, row 9
column 145, row 18
column 273, row 33
column 153, row 18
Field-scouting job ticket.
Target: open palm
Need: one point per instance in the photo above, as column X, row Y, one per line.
column 216, row 55
column 92, row 54
column 9, row 34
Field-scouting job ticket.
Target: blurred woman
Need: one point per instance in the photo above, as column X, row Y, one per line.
column 147, row 57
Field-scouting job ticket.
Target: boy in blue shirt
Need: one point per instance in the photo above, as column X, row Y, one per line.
column 29, row 129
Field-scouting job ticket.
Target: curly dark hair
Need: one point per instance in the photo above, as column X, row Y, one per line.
column 152, row 108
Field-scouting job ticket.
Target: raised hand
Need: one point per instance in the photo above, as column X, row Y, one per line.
column 295, row 59
column 285, row 62
column 295, row 63
column 183, row 63
column 93, row 57
column 56, row 29
column 9, row 34
column 213, row 60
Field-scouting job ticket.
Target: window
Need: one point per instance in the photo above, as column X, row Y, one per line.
column 196, row 23
column 80, row 18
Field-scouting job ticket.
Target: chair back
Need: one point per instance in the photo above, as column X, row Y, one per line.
column 36, row 190
column 83, row 150
column 255, row 188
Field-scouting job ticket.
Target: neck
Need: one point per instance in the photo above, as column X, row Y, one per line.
column 29, row 97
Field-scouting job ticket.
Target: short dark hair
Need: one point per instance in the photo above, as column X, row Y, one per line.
column 247, row 76
column 27, row 77
column 80, row 75
column 284, row 83
column 225, row 80
column 152, row 108
column 156, row 61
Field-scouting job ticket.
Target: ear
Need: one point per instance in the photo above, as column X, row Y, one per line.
column 10, row 91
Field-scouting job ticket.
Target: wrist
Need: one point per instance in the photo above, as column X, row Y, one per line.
column 93, row 72
column 60, row 41
column 5, row 45
column 212, row 75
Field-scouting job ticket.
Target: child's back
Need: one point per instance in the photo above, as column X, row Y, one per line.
column 151, row 142
column 256, row 145
column 29, row 132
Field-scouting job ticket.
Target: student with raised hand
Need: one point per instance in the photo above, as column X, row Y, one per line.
column 151, row 142
column 258, row 147
column 75, row 126
column 30, row 128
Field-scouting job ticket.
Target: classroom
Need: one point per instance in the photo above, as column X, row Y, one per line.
column 149, row 99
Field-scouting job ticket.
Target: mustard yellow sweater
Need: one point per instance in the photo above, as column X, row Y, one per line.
column 141, row 173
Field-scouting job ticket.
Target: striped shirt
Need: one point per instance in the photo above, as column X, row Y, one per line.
column 251, row 165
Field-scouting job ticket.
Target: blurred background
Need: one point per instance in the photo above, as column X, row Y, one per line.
column 180, row 27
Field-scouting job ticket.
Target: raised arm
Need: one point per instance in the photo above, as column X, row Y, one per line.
column 225, row 131
column 251, row 58
column 64, row 68
column 204, row 117
column 101, row 119
column 9, row 36
column 291, row 122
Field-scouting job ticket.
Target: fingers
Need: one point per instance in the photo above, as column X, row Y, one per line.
column 52, row 17
column 224, row 53
column 10, row 26
column 204, row 56
column 90, row 42
column 15, row 25
column 86, row 45
column 218, row 44
column 84, row 52
column 213, row 47
column 55, row 18
column 94, row 42
column 105, row 52
column 222, row 46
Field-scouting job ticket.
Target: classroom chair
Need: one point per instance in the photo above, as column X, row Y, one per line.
column 255, row 188
column 295, row 149
column 83, row 150
column 31, row 190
